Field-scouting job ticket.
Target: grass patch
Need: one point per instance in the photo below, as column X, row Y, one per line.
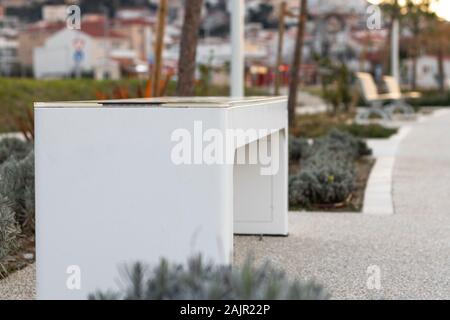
column 370, row 131
column 16, row 94
column 317, row 125
column 431, row 98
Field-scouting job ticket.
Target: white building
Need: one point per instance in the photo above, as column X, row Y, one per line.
column 68, row 52
column 54, row 13
column 8, row 56
column 427, row 75
column 8, row 45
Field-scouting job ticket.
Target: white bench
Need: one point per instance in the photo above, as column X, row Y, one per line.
column 387, row 104
column 370, row 94
column 108, row 190
column 397, row 98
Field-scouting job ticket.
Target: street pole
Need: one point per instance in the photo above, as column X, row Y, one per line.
column 281, row 27
column 237, row 48
column 162, row 13
column 106, row 40
column 395, row 50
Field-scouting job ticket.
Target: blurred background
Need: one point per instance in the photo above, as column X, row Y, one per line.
column 119, row 48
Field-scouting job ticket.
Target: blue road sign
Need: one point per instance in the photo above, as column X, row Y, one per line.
column 78, row 56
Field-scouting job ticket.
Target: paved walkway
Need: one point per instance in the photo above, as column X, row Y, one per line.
column 21, row 285
column 307, row 103
column 411, row 247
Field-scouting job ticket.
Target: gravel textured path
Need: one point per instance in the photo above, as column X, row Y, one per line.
column 411, row 248
column 19, row 285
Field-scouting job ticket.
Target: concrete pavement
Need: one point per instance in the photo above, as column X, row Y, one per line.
column 410, row 248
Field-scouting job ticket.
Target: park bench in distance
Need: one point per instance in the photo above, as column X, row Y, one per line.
column 397, row 98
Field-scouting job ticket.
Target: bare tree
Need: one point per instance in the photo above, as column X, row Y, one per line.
column 293, row 85
column 162, row 13
column 416, row 14
column 438, row 44
column 188, row 47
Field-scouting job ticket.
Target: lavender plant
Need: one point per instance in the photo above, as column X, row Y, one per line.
column 9, row 230
column 199, row 280
column 13, row 147
column 17, row 186
column 298, row 148
column 327, row 175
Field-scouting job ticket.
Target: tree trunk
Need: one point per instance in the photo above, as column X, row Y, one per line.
column 386, row 59
column 281, row 28
column 188, row 47
column 293, row 85
column 414, row 73
column 441, row 72
column 415, row 54
column 162, row 13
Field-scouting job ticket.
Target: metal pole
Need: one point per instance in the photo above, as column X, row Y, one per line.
column 106, row 74
column 237, row 48
column 280, row 47
column 395, row 50
column 162, row 13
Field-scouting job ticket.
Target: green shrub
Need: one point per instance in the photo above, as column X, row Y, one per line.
column 431, row 98
column 337, row 146
column 339, row 141
column 327, row 174
column 9, row 230
column 335, row 84
column 298, row 148
column 17, row 186
column 373, row 130
column 13, row 147
column 201, row 281
column 321, row 183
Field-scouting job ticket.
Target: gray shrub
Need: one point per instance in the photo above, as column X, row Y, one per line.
column 199, row 280
column 327, row 174
column 13, row 147
column 17, row 186
column 321, row 184
column 9, row 229
column 16, row 192
column 298, row 148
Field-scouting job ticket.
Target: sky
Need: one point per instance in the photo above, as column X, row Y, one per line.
column 441, row 7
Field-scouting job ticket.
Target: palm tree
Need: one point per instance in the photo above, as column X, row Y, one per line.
column 437, row 42
column 297, row 60
column 188, row 47
column 416, row 15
